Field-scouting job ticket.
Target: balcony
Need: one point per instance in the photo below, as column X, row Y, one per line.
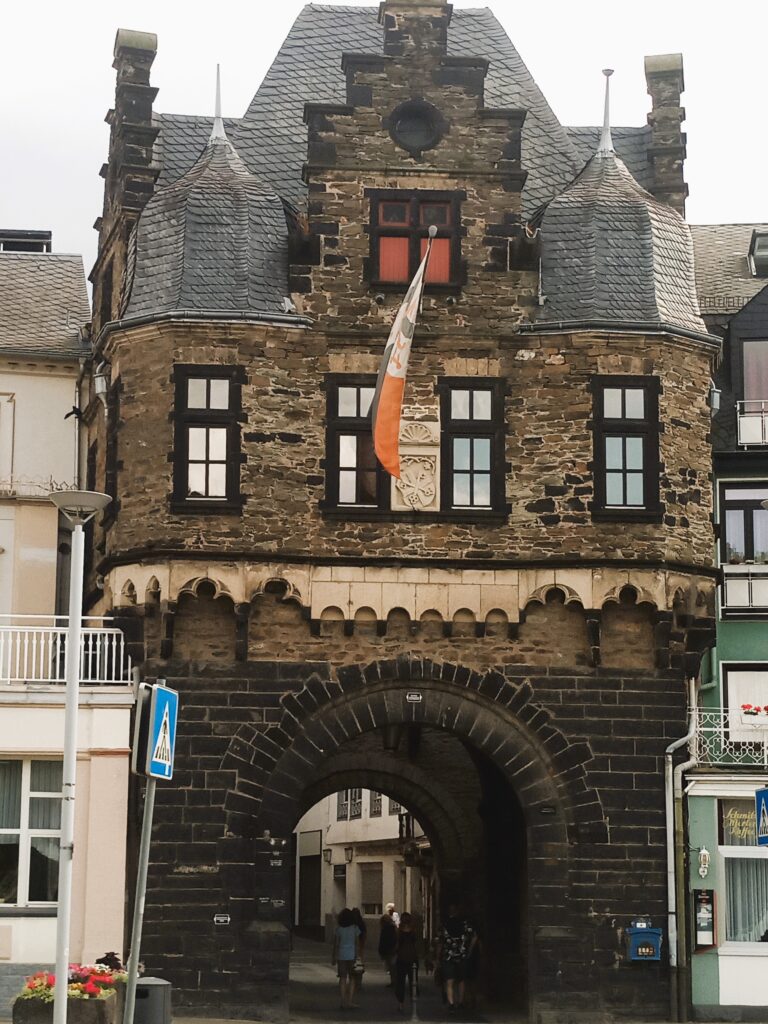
column 745, row 590
column 32, row 651
column 752, row 417
column 730, row 738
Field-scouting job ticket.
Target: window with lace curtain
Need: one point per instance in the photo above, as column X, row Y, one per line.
column 746, row 873
column 30, row 823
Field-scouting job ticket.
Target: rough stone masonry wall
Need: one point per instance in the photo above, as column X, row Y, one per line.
column 548, row 409
column 350, row 149
column 615, row 722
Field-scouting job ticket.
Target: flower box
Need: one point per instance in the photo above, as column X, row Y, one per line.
column 79, row 1011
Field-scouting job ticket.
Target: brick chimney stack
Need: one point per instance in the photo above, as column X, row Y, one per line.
column 415, row 26
column 664, row 76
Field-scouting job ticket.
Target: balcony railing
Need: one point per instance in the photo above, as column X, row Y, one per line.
column 752, row 416
column 33, row 650
column 726, row 737
column 745, row 589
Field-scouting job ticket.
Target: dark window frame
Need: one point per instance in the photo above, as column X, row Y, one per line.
column 184, row 418
column 493, row 428
column 415, row 232
column 649, row 428
column 746, row 505
column 335, row 425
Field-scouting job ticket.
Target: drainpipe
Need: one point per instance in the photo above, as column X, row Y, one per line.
column 676, row 861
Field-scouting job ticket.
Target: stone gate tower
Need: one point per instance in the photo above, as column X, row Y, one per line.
column 539, row 580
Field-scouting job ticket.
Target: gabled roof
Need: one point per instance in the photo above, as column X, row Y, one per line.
column 43, row 303
column 271, row 137
column 724, row 279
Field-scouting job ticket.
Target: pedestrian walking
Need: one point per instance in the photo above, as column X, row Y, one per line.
column 388, row 943
column 406, row 961
column 346, row 949
column 456, row 943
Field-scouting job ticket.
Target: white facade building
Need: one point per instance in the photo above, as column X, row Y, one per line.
column 43, row 306
column 355, row 849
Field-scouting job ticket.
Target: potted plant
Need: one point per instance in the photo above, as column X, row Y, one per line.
column 754, row 715
column 91, row 996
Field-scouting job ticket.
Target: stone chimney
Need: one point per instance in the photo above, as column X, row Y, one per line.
column 129, row 176
column 664, row 76
column 412, row 26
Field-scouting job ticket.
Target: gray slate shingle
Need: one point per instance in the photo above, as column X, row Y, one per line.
column 631, row 144
column 611, row 252
column 723, row 277
column 212, row 240
column 43, row 303
column 271, row 137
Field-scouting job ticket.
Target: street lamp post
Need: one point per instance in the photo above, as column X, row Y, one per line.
column 78, row 507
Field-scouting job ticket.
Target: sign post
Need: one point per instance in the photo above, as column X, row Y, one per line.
column 154, row 742
column 761, row 816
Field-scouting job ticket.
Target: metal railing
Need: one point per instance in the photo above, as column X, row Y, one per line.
column 752, row 417
column 726, row 737
column 33, row 650
column 745, row 588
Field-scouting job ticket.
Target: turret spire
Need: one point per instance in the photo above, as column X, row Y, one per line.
column 218, row 122
column 606, row 142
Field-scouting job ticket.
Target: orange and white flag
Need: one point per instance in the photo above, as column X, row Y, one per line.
column 390, row 385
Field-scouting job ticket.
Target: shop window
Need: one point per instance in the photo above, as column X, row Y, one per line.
column 746, row 873
column 371, row 888
column 472, row 444
column 207, row 438
column 30, row 824
column 626, row 447
column 354, row 476
column 399, row 229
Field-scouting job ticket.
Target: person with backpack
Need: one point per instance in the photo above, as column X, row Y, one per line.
column 456, row 942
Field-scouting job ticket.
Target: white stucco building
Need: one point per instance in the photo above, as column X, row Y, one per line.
column 43, row 307
column 358, row 848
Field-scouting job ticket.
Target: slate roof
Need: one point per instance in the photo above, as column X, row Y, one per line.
column 271, row 137
column 723, row 277
column 631, row 144
column 43, row 303
column 213, row 240
column 613, row 253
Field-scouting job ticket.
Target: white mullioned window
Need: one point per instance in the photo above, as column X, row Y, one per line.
column 30, row 829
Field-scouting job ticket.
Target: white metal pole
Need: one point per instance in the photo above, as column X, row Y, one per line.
column 66, row 844
column 138, row 902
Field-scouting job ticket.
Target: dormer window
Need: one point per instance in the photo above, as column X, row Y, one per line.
column 399, row 228
column 758, row 254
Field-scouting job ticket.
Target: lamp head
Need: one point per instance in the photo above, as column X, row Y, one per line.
column 79, row 506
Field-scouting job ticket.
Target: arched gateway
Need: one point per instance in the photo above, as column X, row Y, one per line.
column 519, row 756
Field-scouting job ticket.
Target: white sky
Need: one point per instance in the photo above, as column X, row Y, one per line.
column 57, row 83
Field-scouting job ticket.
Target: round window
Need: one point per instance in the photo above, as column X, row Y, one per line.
column 416, row 126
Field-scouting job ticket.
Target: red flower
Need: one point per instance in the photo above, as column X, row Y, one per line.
column 91, row 989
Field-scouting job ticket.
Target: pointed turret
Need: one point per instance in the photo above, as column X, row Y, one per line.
column 612, row 254
column 215, row 240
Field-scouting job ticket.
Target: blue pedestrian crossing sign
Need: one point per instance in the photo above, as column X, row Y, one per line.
column 163, row 712
column 761, row 816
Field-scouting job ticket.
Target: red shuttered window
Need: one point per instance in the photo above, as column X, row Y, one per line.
column 399, row 229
